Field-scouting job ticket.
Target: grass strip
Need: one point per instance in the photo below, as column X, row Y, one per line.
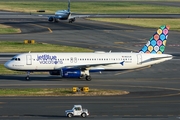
column 4, row 29
column 57, row 92
column 20, row 47
column 143, row 22
column 103, row 7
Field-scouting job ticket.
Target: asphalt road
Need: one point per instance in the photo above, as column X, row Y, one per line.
column 154, row 92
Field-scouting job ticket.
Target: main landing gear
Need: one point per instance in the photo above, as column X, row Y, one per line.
column 85, row 74
column 88, row 78
column 72, row 20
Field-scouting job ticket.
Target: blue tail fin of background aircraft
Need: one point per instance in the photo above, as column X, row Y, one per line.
column 157, row 43
column 69, row 6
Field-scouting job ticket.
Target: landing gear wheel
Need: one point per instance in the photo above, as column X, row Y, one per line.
column 70, row 21
column 88, row 78
column 27, row 78
column 83, row 115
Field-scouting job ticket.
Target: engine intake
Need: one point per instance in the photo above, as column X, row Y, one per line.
column 55, row 72
column 51, row 19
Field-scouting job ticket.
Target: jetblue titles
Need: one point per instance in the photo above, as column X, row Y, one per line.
column 48, row 59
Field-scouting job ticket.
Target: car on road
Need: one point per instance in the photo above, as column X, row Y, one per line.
column 77, row 110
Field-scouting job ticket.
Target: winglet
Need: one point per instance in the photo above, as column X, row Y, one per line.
column 157, row 43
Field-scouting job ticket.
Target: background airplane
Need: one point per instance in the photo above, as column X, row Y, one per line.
column 64, row 15
column 78, row 65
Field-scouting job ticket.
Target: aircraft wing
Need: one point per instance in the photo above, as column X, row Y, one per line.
column 92, row 65
column 79, row 16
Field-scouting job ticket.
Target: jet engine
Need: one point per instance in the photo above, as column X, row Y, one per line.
column 51, row 19
column 68, row 73
column 71, row 73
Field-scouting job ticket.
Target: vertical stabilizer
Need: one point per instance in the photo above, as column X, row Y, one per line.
column 157, row 43
column 69, row 6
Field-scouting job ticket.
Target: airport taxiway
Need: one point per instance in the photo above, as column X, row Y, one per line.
column 154, row 92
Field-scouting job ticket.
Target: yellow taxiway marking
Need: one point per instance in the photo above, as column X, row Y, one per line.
column 50, row 30
column 43, row 27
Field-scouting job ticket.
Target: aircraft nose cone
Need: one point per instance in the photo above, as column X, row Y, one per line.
column 7, row 65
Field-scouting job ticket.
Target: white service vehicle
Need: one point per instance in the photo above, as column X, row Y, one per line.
column 77, row 110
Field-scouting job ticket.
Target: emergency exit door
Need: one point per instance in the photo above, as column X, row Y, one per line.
column 28, row 60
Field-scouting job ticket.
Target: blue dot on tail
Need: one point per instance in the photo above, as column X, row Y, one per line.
column 162, row 37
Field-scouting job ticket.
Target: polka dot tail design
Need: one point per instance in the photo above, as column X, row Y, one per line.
column 157, row 43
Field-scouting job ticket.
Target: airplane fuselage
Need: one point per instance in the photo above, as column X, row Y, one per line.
column 95, row 61
column 62, row 14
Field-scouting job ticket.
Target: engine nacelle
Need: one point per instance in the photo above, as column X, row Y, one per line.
column 51, row 19
column 71, row 73
column 67, row 73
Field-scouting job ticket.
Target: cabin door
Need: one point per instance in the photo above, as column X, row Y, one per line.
column 28, row 60
column 139, row 59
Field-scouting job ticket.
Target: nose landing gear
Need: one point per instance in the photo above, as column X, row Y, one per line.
column 27, row 77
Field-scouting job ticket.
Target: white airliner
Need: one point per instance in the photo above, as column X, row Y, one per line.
column 78, row 65
column 64, row 15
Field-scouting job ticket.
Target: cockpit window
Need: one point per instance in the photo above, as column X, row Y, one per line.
column 16, row 59
column 13, row 59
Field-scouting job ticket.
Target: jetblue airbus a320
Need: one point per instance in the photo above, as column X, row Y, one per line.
column 79, row 65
